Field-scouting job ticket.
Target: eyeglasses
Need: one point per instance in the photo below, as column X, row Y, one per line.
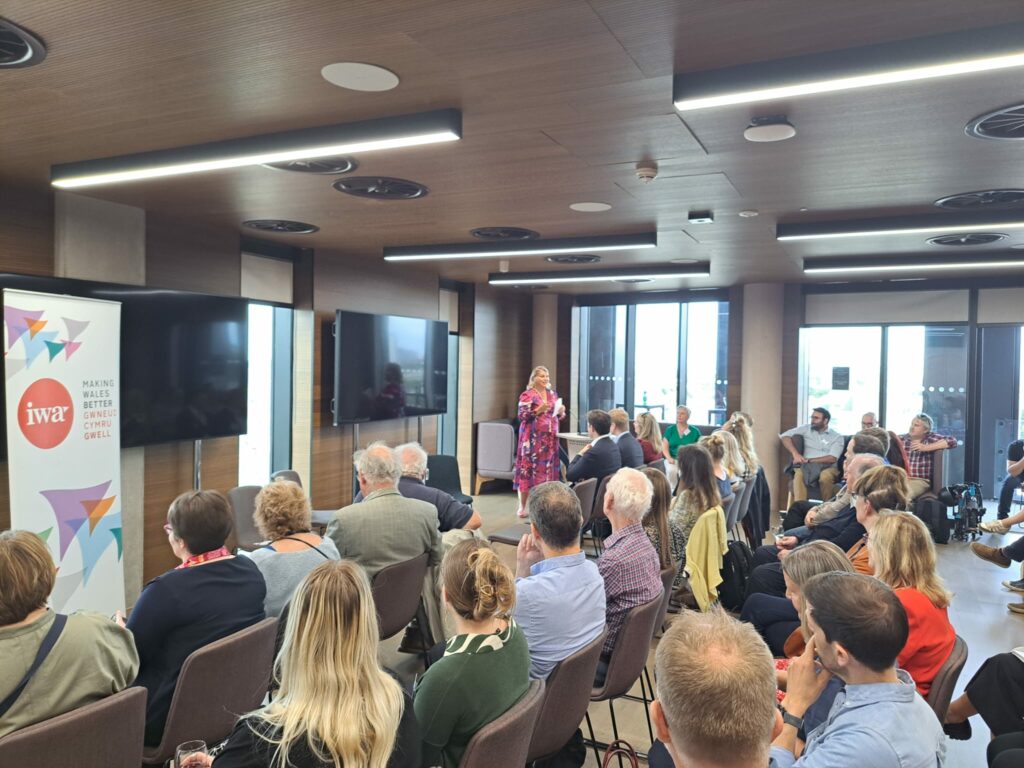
column 856, row 497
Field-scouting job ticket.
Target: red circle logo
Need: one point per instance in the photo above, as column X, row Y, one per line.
column 46, row 413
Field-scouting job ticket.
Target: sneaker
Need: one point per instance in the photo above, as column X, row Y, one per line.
column 996, row 526
column 1015, row 586
column 993, row 555
column 1016, row 608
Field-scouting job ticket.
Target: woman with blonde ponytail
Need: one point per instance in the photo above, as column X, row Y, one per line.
column 336, row 707
column 486, row 664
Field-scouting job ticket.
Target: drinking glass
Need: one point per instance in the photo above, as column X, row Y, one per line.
column 185, row 752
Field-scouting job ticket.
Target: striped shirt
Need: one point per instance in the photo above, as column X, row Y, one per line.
column 632, row 577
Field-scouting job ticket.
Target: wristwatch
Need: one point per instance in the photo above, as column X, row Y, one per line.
column 788, row 719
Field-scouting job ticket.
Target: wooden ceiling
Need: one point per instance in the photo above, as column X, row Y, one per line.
column 560, row 100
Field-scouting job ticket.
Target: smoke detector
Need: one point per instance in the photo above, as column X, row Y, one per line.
column 646, row 172
column 767, row 129
column 503, row 266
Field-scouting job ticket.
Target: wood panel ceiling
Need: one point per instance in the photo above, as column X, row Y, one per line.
column 560, row 100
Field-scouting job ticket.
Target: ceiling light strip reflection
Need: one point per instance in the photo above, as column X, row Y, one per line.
column 825, row 268
column 598, row 276
column 523, row 248
column 897, row 225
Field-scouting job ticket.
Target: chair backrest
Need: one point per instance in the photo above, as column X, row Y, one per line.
column 495, row 449
column 748, row 492
column 243, row 504
column 105, row 734
column 668, row 578
column 287, row 474
column 658, row 464
column 218, row 682
column 504, row 741
column 396, row 593
column 597, row 512
column 566, row 699
column 444, row 473
column 941, row 691
column 629, row 656
column 732, row 514
column 585, row 491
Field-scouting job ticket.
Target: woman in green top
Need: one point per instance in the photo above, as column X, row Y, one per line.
column 486, row 665
column 675, row 437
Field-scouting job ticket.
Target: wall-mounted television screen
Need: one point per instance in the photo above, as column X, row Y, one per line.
column 388, row 367
column 184, row 359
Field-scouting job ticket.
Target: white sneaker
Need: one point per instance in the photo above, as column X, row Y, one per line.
column 995, row 526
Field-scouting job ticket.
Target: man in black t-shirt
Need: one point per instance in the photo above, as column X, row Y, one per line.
column 1014, row 478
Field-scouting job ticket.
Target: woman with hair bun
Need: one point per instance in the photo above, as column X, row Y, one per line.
column 486, row 664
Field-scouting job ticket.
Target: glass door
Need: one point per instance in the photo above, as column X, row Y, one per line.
column 840, row 370
column 656, row 370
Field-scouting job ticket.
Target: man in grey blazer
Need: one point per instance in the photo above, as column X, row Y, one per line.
column 386, row 527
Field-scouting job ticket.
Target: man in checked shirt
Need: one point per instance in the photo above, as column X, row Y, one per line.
column 921, row 444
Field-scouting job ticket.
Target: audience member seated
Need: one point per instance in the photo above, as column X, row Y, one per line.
column 336, row 706
column 385, row 528
column 452, row 514
column 715, row 446
column 781, row 621
column 665, row 534
column 282, row 516
column 1003, row 556
column 600, row 458
column 858, row 627
column 921, row 444
column 902, row 555
column 739, row 427
column 868, row 420
column 629, row 564
column 816, row 465
column 631, row 453
column 697, row 494
column 648, row 434
column 559, row 592
column 211, row 595
column 996, row 692
column 676, row 436
column 1014, row 478
column 486, row 664
column 715, row 701
column 90, row 657
column 733, row 461
column 877, row 489
column 842, row 528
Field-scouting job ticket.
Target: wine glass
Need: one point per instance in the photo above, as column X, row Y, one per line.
column 184, row 754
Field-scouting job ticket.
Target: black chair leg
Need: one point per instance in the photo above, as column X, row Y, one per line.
column 615, row 727
column 593, row 740
column 643, row 695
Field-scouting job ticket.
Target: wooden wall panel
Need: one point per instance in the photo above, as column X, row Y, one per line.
column 502, row 349
column 186, row 256
column 563, row 382
column 734, row 363
column 26, row 231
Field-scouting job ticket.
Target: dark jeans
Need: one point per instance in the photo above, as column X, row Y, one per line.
column 1006, row 751
column 1015, row 551
column 773, row 617
column 997, row 692
column 766, row 553
column 1010, row 484
column 796, row 514
column 767, row 579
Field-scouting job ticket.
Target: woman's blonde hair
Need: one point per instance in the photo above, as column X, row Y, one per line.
column 478, row 584
column 741, row 430
column 904, row 556
column 282, row 508
column 715, row 446
column 534, row 372
column 657, row 515
column 27, row 575
column 333, row 691
column 884, row 487
column 647, row 428
column 809, row 560
column 733, row 459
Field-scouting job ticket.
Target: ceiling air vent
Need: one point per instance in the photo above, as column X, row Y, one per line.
column 322, row 165
column 574, row 258
column 282, row 226
column 19, row 47
column 969, row 238
column 1006, row 124
column 504, row 233
column 986, row 199
column 381, row 188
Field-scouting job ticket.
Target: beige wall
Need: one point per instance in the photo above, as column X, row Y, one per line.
column 545, row 333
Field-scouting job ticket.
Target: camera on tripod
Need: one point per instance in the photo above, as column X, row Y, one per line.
column 967, row 501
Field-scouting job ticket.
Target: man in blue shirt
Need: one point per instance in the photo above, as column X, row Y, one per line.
column 878, row 719
column 560, row 602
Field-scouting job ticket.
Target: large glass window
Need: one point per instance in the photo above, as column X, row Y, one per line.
column 656, row 369
column 603, row 356
column 705, row 373
column 840, row 369
column 254, row 447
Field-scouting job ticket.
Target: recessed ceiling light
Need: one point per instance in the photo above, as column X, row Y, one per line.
column 825, row 266
column 955, row 53
column 682, row 261
column 765, row 130
column 521, row 247
column 639, row 272
column 357, row 76
column 901, row 225
column 748, row 214
column 306, row 143
column 590, row 207
column 281, row 226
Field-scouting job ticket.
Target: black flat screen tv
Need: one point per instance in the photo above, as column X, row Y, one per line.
column 388, row 367
column 184, row 359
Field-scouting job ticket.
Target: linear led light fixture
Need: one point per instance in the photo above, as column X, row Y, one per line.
column 649, row 272
column 900, row 225
column 829, row 266
column 955, row 53
column 522, row 247
column 303, row 144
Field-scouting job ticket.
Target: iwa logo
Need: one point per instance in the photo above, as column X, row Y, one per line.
column 46, row 413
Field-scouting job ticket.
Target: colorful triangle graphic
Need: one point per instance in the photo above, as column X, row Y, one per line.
column 116, row 533
column 75, row 327
column 45, row 535
column 17, row 321
column 97, row 509
column 70, row 347
column 35, row 326
column 54, row 348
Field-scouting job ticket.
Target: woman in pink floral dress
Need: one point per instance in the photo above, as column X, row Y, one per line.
column 537, row 455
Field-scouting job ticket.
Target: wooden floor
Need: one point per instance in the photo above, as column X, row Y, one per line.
column 978, row 613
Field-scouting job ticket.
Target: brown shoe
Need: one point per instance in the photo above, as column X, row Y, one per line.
column 1016, row 608
column 993, row 555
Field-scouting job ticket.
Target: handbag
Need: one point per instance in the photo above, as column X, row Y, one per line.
column 44, row 650
column 620, row 749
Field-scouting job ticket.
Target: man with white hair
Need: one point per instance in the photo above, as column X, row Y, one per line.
column 452, row 514
column 629, row 564
column 385, row 528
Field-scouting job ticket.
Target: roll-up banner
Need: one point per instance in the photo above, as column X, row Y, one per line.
column 62, row 368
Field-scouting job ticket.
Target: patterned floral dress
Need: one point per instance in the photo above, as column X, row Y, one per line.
column 537, row 455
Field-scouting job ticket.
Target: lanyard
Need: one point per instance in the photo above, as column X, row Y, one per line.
column 202, row 558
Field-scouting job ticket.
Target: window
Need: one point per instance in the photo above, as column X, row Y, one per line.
column 840, row 369
column 656, row 369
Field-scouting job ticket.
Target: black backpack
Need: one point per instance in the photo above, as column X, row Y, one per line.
column 933, row 514
column 736, row 568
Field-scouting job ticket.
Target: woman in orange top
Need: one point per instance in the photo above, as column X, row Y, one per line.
column 878, row 489
column 903, row 556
